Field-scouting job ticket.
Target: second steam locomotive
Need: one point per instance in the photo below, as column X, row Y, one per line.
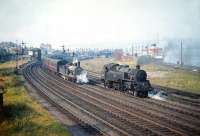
column 121, row 77
column 67, row 69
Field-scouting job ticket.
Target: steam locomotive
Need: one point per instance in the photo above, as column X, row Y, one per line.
column 67, row 69
column 121, row 77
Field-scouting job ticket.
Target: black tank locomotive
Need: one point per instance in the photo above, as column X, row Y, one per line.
column 121, row 77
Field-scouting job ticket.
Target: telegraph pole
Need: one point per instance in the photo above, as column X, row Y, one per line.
column 142, row 49
column 181, row 53
column 132, row 50
column 63, row 47
column 22, row 51
column 17, row 53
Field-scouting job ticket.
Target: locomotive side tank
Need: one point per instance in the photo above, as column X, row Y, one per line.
column 121, row 77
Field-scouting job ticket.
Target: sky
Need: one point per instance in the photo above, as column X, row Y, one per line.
column 92, row 22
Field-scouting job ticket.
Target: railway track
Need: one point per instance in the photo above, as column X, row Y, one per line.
column 173, row 99
column 175, row 106
column 193, row 112
column 129, row 121
column 95, row 107
column 66, row 105
column 163, row 116
column 140, row 104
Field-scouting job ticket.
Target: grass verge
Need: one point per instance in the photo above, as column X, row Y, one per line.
column 23, row 116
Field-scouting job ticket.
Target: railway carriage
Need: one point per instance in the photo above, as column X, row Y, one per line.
column 53, row 64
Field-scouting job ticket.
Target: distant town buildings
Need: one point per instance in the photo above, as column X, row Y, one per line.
column 46, row 48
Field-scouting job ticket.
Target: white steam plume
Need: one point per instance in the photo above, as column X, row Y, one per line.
column 75, row 60
column 82, row 78
column 157, row 95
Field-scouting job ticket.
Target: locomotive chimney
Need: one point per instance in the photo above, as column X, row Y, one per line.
column 137, row 66
column 78, row 64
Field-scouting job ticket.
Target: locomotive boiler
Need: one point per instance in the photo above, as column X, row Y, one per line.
column 121, row 77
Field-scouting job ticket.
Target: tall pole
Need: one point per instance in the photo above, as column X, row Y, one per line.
column 142, row 49
column 17, row 53
column 132, row 50
column 22, row 52
column 63, row 48
column 181, row 53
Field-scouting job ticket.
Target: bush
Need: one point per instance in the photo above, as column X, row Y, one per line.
column 143, row 60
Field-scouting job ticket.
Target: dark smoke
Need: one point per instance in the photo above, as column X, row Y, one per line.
column 144, row 60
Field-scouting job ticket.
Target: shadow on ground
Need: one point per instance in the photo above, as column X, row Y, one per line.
column 15, row 111
column 21, row 117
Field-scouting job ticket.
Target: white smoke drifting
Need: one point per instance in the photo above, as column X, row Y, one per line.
column 158, row 95
column 82, row 78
